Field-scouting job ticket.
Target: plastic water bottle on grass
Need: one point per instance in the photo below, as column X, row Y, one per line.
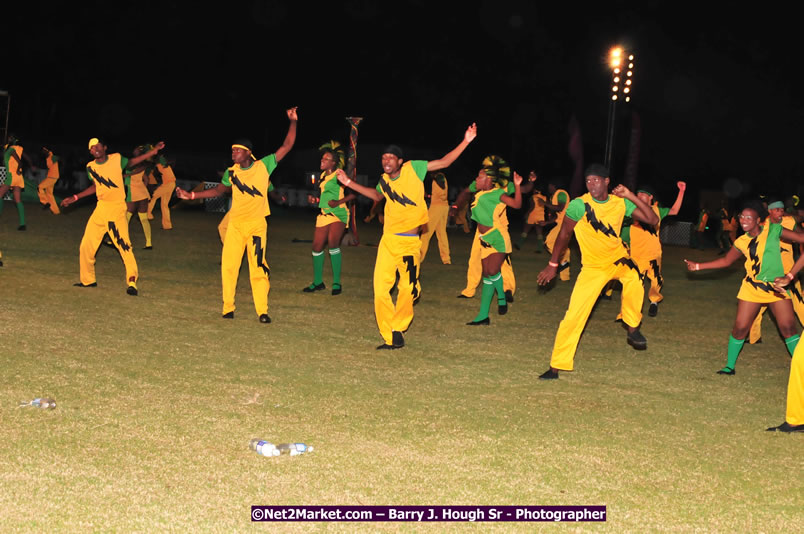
column 44, row 403
column 293, row 449
column 263, row 448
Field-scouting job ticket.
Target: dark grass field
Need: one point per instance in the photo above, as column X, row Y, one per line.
column 158, row 396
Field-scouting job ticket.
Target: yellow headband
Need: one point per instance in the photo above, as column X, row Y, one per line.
column 244, row 147
column 92, row 142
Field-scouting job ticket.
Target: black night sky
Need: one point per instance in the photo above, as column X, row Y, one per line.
column 717, row 94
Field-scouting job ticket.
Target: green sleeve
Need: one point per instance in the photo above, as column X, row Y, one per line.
column 270, row 187
column 663, row 213
column 123, row 162
column 563, row 198
column 576, row 210
column 629, row 207
column 225, row 180
column 420, row 168
column 473, row 186
column 510, row 188
column 379, row 189
column 127, row 183
column 89, row 174
column 269, row 162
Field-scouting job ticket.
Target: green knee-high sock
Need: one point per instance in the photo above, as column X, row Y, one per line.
column 146, row 228
column 522, row 238
column 735, row 346
column 486, row 294
column 791, row 343
column 335, row 259
column 318, row 267
column 497, row 283
column 21, row 212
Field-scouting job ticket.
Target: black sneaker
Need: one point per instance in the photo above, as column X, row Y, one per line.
column 313, row 287
column 485, row 321
column 786, row 427
column 637, row 340
column 131, row 290
column 149, row 247
column 462, row 296
column 509, row 296
column 550, row 374
column 653, row 309
column 229, row 315
column 502, row 309
column 264, row 318
column 727, row 371
column 397, row 339
column 387, row 347
column 21, row 228
column 79, row 284
column 336, row 289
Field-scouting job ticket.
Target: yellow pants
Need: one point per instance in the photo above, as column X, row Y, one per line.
column 584, row 295
column 474, row 271
column 46, row 194
column 798, row 306
column 795, row 388
column 438, row 215
column 108, row 218
column 550, row 242
column 652, row 270
column 396, row 253
column 162, row 194
column 249, row 236
column 222, row 226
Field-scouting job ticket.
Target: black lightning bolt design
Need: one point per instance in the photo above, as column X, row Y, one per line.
column 484, row 244
column 248, row 190
column 753, row 256
column 796, row 293
column 100, row 179
column 649, row 228
column 605, row 229
column 117, row 238
column 628, row 262
column 393, row 195
column 563, row 266
column 413, row 275
column 762, row 286
column 657, row 273
column 260, row 255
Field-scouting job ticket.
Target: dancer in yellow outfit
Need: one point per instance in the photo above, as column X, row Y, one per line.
column 109, row 218
column 794, row 413
column 536, row 216
column 760, row 244
column 137, row 201
column 495, row 243
column 46, row 187
column 596, row 218
column 400, row 248
column 777, row 215
column 438, row 215
column 248, row 180
column 559, row 200
column 474, row 269
column 646, row 248
column 333, row 219
column 163, row 192
column 12, row 160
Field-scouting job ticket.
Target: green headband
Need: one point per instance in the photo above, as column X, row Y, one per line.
column 776, row 205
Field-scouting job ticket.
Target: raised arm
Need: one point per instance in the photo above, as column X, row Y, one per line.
column 450, row 157
column 216, row 191
column 642, row 213
column 354, row 186
column 682, row 186
column 515, row 201
column 290, row 138
column 460, row 200
column 142, row 157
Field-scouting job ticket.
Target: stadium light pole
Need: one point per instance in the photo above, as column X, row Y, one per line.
column 622, row 71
